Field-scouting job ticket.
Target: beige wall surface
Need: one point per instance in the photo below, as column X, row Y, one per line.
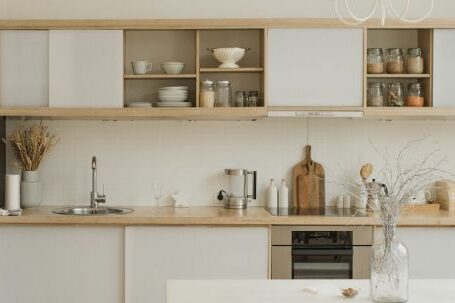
column 171, row 9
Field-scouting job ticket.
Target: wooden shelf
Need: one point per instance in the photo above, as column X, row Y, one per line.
column 409, row 113
column 397, row 76
column 194, row 113
column 231, row 70
column 159, row 76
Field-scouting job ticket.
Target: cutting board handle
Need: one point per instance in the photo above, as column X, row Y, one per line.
column 308, row 152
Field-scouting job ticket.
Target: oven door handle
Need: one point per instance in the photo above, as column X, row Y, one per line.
column 321, row 252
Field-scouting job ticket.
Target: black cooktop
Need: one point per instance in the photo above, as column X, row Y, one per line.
column 328, row 212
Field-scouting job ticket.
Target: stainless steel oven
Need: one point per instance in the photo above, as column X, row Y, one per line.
column 321, row 252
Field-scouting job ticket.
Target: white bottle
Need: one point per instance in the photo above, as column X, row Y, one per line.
column 283, row 195
column 272, row 195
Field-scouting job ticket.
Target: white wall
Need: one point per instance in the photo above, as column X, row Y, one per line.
column 191, row 156
column 106, row 9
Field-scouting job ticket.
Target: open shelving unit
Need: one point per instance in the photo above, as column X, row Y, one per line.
column 403, row 38
column 190, row 47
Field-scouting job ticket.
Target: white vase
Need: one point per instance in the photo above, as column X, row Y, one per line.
column 30, row 189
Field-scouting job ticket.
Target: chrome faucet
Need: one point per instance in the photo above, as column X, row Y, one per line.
column 95, row 197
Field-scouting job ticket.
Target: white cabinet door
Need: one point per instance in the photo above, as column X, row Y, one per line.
column 157, row 254
column 61, row 264
column 86, row 68
column 443, row 67
column 431, row 251
column 24, row 61
column 315, row 67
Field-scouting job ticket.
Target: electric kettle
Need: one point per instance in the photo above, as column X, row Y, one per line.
column 237, row 195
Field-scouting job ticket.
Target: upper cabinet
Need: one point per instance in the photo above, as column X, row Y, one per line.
column 315, row 67
column 86, row 68
column 443, row 65
column 24, row 72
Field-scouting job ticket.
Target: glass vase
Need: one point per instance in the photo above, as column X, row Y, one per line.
column 389, row 268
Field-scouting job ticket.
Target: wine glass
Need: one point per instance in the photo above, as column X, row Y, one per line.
column 157, row 193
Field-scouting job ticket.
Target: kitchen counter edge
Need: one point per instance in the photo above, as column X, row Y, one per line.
column 217, row 216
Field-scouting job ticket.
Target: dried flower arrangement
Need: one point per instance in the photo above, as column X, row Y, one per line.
column 30, row 145
column 406, row 172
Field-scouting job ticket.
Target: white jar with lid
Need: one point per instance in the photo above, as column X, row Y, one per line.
column 207, row 94
column 414, row 61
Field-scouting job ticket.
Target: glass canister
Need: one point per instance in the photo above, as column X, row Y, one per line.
column 239, row 98
column 395, row 63
column 395, row 95
column 414, row 61
column 253, row 98
column 207, row 94
column 223, row 94
column 375, row 61
column 375, row 94
column 415, row 96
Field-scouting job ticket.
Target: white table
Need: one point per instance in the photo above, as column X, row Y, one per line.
column 293, row 291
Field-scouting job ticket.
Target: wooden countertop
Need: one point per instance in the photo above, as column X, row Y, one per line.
column 253, row 216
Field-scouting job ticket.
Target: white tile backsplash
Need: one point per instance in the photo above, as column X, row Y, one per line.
column 191, row 156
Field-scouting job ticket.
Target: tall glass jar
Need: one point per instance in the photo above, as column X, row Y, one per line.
column 395, row 95
column 394, row 61
column 415, row 96
column 414, row 61
column 389, row 268
column 223, row 94
column 375, row 94
column 375, row 61
column 207, row 94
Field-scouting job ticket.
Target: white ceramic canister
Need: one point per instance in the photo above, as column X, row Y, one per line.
column 30, row 189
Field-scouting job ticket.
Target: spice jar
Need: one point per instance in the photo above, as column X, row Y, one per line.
column 207, row 94
column 239, row 99
column 395, row 96
column 395, row 64
column 414, row 96
column 375, row 94
column 253, row 98
column 223, row 94
column 375, row 61
column 414, row 61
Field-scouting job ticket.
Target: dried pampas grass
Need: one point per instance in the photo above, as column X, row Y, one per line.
column 30, row 145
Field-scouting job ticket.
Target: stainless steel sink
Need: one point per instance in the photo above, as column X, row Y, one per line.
column 87, row 211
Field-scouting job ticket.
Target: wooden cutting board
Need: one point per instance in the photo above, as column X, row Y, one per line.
column 308, row 183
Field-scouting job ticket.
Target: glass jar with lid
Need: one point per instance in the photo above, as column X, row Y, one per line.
column 415, row 97
column 414, row 61
column 375, row 94
column 253, row 98
column 207, row 94
column 223, row 94
column 395, row 95
column 239, row 99
column 394, row 61
column 375, row 61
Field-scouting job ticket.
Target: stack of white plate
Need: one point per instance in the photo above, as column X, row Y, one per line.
column 139, row 104
column 173, row 96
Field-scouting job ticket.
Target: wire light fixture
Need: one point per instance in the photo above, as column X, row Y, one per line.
column 386, row 9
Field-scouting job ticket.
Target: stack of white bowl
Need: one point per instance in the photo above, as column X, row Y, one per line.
column 173, row 96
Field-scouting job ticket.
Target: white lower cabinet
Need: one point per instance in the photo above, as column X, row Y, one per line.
column 156, row 254
column 431, row 251
column 55, row 264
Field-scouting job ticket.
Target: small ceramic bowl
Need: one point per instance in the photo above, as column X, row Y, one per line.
column 172, row 68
